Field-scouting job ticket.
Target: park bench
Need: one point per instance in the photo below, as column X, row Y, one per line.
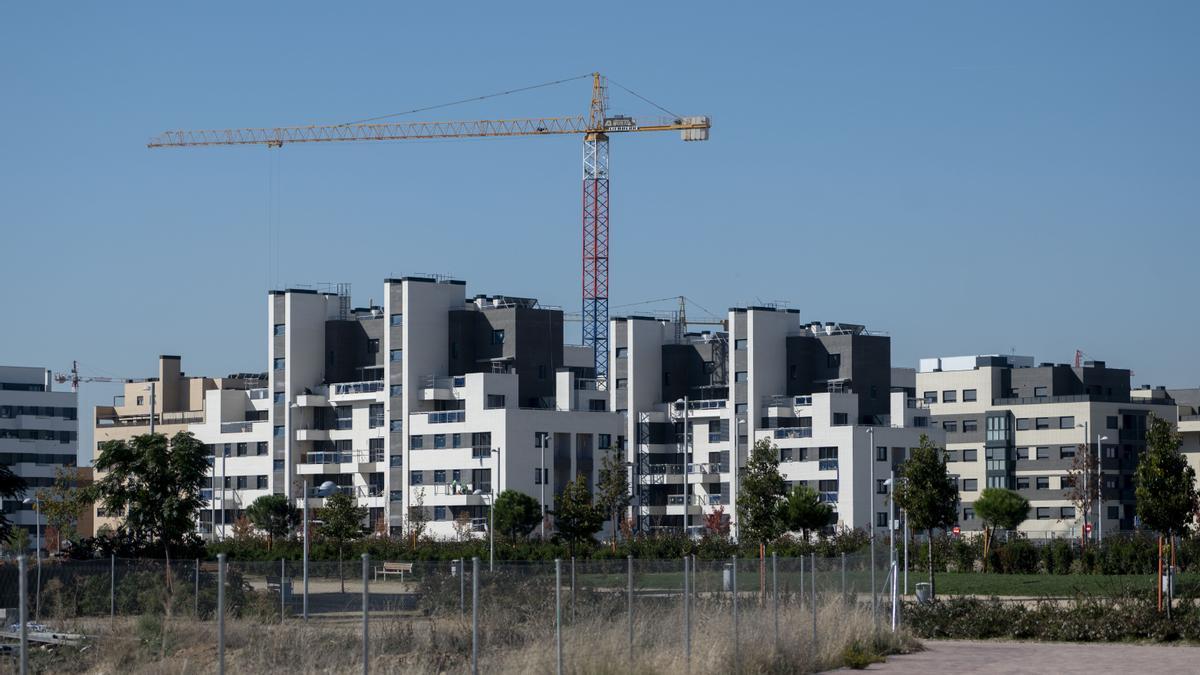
column 400, row 568
column 280, row 585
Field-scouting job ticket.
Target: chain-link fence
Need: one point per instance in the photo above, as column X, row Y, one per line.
column 570, row 615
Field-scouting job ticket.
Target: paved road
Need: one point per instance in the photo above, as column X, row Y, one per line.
column 965, row 656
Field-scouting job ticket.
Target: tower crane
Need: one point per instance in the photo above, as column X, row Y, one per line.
column 595, row 127
column 73, row 377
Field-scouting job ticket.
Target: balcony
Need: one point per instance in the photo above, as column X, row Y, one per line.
column 590, row 384
column 664, row 469
column 709, row 467
column 312, row 435
column 441, row 388
column 793, row 432
column 828, row 497
column 717, row 437
column 708, row 404
column 447, row 417
column 259, row 394
column 114, row 420
column 827, row 464
column 347, row 391
column 236, row 427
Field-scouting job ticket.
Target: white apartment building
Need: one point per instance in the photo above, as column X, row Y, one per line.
column 432, row 398
column 39, row 433
column 229, row 415
column 1014, row 425
column 822, row 393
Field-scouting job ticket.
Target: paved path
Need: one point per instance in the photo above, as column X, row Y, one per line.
column 962, row 657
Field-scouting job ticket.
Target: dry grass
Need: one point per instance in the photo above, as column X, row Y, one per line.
column 512, row 641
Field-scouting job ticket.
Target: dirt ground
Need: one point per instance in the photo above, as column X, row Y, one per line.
column 994, row 656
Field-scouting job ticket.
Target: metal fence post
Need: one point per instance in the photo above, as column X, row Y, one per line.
column 844, row 596
column 282, row 594
column 221, row 614
column 813, row 583
column 475, row 616
column 629, row 603
column 572, row 589
column 558, row 613
column 775, row 594
column 112, row 588
column 733, row 589
column 196, row 595
column 23, row 612
column 462, row 586
column 687, row 616
column 366, row 596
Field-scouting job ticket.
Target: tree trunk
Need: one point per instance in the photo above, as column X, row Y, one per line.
column 987, row 539
column 932, row 591
column 341, row 575
column 1160, row 573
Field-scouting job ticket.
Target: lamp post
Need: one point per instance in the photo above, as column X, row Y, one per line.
column 542, row 480
column 37, row 550
column 684, row 443
column 491, row 494
column 1099, row 490
column 1086, row 494
column 734, row 465
column 871, row 518
column 323, row 490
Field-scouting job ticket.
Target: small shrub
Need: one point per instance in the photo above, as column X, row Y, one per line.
column 858, row 656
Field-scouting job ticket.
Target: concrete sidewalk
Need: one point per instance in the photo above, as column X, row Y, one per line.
column 996, row 656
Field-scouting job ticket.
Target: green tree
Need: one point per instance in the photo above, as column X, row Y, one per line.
column 156, row 483
column 418, row 518
column 999, row 508
column 516, row 514
column 927, row 493
column 12, row 486
column 17, row 540
column 275, row 515
column 1165, row 484
column 62, row 503
column 612, row 492
column 803, row 510
column 341, row 523
column 759, row 494
column 576, row 518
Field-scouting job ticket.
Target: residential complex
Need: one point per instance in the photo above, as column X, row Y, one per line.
column 1014, row 425
column 39, row 434
column 822, row 393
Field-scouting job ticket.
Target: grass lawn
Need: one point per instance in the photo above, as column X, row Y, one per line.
column 1057, row 585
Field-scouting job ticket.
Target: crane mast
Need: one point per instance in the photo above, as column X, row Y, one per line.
column 596, row 128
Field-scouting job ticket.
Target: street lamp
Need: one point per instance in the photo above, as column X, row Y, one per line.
column 734, row 466
column 37, row 549
column 871, row 518
column 686, row 456
column 492, row 515
column 323, row 490
column 1099, row 489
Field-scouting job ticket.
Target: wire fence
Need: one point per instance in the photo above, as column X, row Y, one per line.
column 735, row 615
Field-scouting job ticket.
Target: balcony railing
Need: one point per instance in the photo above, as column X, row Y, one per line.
column 444, row 382
column 258, row 394
column 590, row 384
column 144, row 420
column 708, row 404
column 366, row 387
column 829, row 497
column 709, row 467
column 794, row 432
column 461, row 489
column 447, row 417
column 827, row 464
column 236, row 427
column 717, row 437
column 1189, row 418
column 343, row 457
column 666, row 469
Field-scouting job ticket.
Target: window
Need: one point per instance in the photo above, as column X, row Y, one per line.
column 1066, row 422
column 622, row 383
column 622, row 352
column 1042, row 423
column 279, row 364
column 828, row 452
column 1110, row 452
column 968, row 514
column 1040, row 392
column 1043, row 483
column 260, row 482
column 242, row 482
column 840, row 419
column 439, row 441
column 969, row 395
column 373, row 346
column 344, row 418
column 456, row 440
column 396, row 425
column 243, row 449
column 970, row 426
column 396, row 355
column 881, row 519
column 1022, row 453
column 541, row 439
column 541, row 476
column 260, row 448
column 740, row 344
column 741, row 408
column 1022, row 483
column 597, row 405
column 280, row 329
column 141, row 400
column 604, row 441
column 541, row 371
column 397, row 319
column 951, row 455
column 280, row 397
column 1066, row 452
column 1043, row 513
column 396, row 390
column 931, row 397
column 920, row 421
column 881, row 487
column 495, row 400
column 997, row 481
column 881, row 453
column 741, row 376
column 498, row 337
column 439, row 513
column 833, row 361
column 416, row 442
column 1114, row 512
column 416, row 477
column 949, row 396
column 375, row 413
column 1111, row 422
column 1023, row 424
column 970, row 455
column 278, row 431
column 1066, row 512
column 970, row 484
column 1043, row 453
column 439, row 476
column 950, row 425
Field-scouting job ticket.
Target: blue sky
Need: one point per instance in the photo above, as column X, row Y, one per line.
column 968, row 176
